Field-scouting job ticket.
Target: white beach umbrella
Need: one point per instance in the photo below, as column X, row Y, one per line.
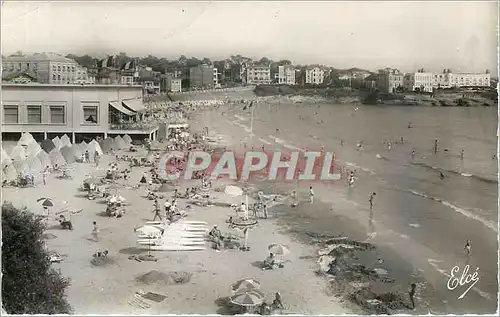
column 233, row 191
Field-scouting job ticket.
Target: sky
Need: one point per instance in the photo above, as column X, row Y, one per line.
column 407, row 35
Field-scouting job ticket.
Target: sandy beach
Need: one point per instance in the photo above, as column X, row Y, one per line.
column 108, row 289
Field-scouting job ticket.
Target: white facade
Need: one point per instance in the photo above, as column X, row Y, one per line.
column 71, row 109
column 258, row 75
column 419, row 81
column 286, row 75
column 173, row 84
column 389, row 80
column 470, row 79
column 127, row 79
column 314, row 76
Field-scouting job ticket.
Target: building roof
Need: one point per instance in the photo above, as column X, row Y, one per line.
column 40, row 85
column 39, row 57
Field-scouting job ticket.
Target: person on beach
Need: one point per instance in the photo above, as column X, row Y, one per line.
column 278, row 302
column 462, row 155
column 412, row 154
column 311, row 194
column 372, row 196
column 467, row 247
column 95, row 231
column 412, row 295
column 402, row 140
column 87, row 156
column 351, row 179
column 436, row 146
column 96, row 159
column 389, row 146
column 156, row 207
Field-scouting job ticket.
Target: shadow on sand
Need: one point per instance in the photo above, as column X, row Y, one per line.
column 131, row 251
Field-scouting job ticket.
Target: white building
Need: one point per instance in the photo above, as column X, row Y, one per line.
column 389, row 80
column 49, row 68
column 80, row 111
column 420, row 81
column 314, row 75
column 286, row 75
column 257, row 74
column 470, row 79
column 173, row 84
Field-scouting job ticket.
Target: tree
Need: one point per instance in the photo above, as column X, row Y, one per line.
column 265, row 61
column 29, row 284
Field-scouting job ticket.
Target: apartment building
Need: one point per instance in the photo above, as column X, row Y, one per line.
column 80, row 111
column 419, row 81
column 314, row 75
column 171, row 84
column 48, row 68
column 257, row 74
column 286, row 75
column 470, row 79
column 389, row 80
column 203, row 77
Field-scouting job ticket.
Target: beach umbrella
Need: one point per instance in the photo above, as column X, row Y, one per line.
column 46, row 202
column 279, row 249
column 247, row 299
column 246, row 285
column 233, row 191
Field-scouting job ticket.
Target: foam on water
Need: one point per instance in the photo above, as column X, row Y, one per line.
column 465, row 212
column 264, row 141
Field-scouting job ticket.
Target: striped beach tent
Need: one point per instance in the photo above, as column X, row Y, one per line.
column 65, row 141
column 57, row 142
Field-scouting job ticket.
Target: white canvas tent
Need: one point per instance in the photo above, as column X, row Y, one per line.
column 44, row 159
column 35, row 166
column 127, row 139
column 26, row 139
column 10, row 172
column 56, row 158
column 5, row 158
column 18, row 153
column 33, row 148
column 22, row 167
column 65, row 141
column 93, row 147
column 57, row 142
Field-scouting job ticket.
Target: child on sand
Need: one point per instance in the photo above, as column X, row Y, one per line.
column 311, row 195
column 95, row 231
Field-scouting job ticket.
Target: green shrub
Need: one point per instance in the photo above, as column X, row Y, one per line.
column 29, row 284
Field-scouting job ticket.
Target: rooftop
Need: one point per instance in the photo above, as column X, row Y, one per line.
column 39, row 57
column 69, row 85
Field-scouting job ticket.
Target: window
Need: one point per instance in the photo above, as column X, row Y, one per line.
column 54, row 77
column 10, row 114
column 57, row 114
column 64, row 68
column 34, row 114
column 90, row 115
column 58, row 77
column 54, row 68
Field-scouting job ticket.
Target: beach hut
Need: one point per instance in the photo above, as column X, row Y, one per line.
column 120, row 143
column 18, row 153
column 10, row 172
column 127, row 139
column 44, row 159
column 47, row 145
column 57, row 142
column 93, row 147
column 65, row 141
column 56, row 158
column 68, row 154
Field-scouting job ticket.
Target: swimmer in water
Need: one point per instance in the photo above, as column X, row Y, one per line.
column 277, row 130
column 341, row 142
column 413, row 154
column 356, row 109
column 441, row 175
column 462, row 155
column 402, row 140
column 467, row 247
column 409, row 125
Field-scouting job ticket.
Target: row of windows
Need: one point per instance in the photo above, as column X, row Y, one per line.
column 63, row 68
column 11, row 114
column 57, row 114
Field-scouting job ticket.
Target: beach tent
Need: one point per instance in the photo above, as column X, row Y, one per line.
column 69, row 154
column 120, row 144
column 107, row 145
column 26, row 139
column 5, row 158
column 127, row 139
column 57, row 142
column 35, row 166
column 18, row 153
column 75, row 149
column 47, row 145
column 93, row 147
column 33, row 148
column 21, row 166
column 56, row 158
column 83, row 146
column 10, row 172
column 44, row 159
column 65, row 141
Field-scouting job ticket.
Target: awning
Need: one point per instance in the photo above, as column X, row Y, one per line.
column 122, row 109
column 135, row 105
